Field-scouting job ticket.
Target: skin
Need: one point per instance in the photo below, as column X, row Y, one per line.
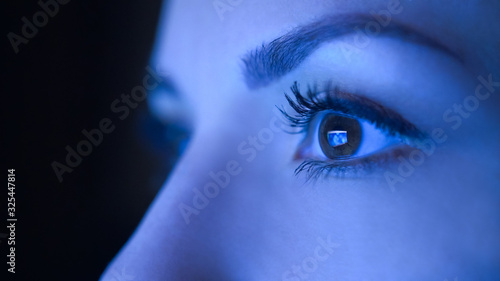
column 441, row 222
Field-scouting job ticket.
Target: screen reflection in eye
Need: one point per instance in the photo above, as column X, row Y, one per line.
column 334, row 133
column 336, row 138
column 346, row 134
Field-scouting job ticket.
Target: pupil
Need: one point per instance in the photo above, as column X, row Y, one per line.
column 339, row 136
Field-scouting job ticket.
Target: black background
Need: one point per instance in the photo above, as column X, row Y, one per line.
column 61, row 82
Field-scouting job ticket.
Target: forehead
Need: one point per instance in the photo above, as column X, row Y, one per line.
column 201, row 43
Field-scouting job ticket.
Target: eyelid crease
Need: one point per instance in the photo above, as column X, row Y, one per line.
column 351, row 105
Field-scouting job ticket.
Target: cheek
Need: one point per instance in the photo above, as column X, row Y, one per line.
column 439, row 210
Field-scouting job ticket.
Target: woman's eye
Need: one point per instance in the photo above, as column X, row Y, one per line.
column 334, row 136
column 346, row 132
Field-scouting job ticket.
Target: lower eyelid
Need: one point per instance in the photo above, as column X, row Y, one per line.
column 354, row 167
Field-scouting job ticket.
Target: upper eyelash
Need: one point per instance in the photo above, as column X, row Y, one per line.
column 306, row 108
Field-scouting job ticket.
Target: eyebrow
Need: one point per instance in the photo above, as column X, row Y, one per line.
column 273, row 60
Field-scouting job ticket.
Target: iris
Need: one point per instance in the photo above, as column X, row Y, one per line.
column 339, row 136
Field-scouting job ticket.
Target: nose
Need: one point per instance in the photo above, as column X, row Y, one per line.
column 176, row 238
column 211, row 218
column 189, row 231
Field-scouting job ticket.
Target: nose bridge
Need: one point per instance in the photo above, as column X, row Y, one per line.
column 226, row 150
column 209, row 162
column 204, row 171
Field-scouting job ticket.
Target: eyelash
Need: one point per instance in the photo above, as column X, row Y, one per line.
column 307, row 108
column 347, row 168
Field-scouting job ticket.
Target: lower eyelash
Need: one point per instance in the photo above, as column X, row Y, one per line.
column 351, row 168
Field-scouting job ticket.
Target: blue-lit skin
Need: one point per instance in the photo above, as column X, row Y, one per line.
column 336, row 138
column 441, row 222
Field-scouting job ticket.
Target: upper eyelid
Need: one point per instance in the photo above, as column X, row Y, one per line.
column 352, row 105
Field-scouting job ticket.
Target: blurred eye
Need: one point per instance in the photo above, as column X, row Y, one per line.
column 338, row 137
